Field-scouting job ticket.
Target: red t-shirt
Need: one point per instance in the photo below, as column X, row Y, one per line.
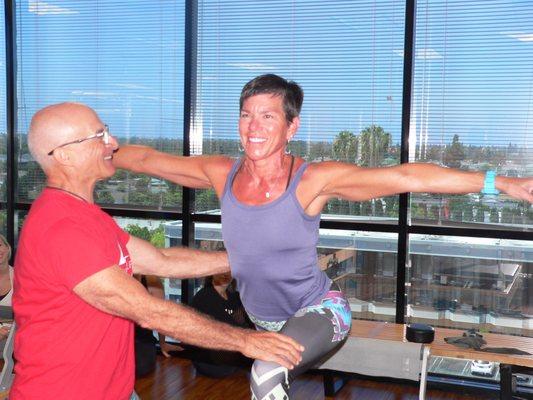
column 64, row 347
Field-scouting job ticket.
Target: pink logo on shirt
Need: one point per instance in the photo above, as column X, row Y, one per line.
column 125, row 260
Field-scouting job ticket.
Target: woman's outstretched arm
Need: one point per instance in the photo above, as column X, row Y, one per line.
column 196, row 172
column 350, row 182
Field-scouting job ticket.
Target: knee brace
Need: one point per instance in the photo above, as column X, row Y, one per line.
column 269, row 381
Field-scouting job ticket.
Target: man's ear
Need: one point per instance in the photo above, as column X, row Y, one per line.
column 62, row 156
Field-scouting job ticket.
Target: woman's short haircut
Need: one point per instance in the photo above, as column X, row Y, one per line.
column 291, row 93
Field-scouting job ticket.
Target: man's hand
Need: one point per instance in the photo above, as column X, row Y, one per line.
column 275, row 347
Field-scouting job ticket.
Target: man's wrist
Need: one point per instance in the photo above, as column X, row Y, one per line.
column 489, row 186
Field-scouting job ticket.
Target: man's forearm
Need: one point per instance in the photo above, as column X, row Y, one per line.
column 182, row 262
column 112, row 291
column 175, row 262
column 185, row 324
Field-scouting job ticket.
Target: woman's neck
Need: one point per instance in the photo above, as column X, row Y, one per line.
column 4, row 268
column 266, row 169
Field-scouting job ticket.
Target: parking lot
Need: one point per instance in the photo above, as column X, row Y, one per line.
column 463, row 368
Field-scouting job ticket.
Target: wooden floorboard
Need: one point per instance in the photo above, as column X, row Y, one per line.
column 175, row 378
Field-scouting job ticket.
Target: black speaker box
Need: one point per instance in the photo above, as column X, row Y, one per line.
column 420, row 333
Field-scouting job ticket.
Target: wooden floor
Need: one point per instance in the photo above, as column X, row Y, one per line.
column 175, row 378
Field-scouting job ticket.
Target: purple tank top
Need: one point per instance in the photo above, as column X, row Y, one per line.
column 272, row 252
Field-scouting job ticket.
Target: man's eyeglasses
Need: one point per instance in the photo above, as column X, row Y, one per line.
column 102, row 134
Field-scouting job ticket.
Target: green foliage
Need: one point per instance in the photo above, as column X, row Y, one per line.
column 366, row 208
column 434, row 212
column 157, row 237
column 320, row 151
column 206, row 200
column 375, row 144
column 173, row 198
column 494, row 218
column 31, row 181
column 137, row 231
column 333, row 206
column 154, row 236
column 454, row 154
column 458, row 206
column 104, row 197
column 143, row 198
column 378, row 206
column 393, row 206
column 468, row 213
column 345, row 147
column 344, row 207
column 507, row 216
column 480, row 213
column 369, row 148
column 355, row 208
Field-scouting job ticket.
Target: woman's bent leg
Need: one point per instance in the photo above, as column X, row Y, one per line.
column 319, row 328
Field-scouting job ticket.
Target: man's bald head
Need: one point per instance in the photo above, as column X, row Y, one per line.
column 55, row 125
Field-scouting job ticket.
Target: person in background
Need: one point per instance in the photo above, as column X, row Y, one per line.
column 271, row 203
column 155, row 287
column 6, row 286
column 75, row 299
column 6, row 273
column 145, row 342
column 219, row 298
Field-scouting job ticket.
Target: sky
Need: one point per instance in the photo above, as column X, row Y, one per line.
column 473, row 73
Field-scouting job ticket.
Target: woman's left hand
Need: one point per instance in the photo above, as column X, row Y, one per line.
column 518, row 188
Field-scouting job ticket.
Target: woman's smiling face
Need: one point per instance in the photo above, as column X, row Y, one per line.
column 263, row 126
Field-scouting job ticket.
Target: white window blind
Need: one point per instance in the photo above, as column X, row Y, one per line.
column 346, row 55
column 472, row 104
column 123, row 58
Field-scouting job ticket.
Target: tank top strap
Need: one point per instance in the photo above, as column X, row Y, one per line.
column 297, row 177
column 231, row 176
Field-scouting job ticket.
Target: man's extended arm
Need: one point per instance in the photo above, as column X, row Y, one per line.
column 112, row 291
column 175, row 262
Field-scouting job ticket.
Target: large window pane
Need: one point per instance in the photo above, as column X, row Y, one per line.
column 363, row 264
column 3, row 123
column 471, row 106
column 463, row 282
column 347, row 55
column 207, row 236
column 124, row 59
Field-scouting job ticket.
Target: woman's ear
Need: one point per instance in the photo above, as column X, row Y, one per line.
column 293, row 128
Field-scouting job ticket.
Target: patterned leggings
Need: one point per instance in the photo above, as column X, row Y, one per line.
column 320, row 328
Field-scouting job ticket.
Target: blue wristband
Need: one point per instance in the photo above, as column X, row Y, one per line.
column 489, row 187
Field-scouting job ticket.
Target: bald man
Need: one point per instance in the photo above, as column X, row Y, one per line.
column 74, row 295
